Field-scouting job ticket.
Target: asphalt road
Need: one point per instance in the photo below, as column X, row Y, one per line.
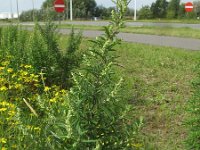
column 135, row 24
column 184, row 43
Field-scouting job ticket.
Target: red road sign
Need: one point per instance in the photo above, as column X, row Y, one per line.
column 59, row 6
column 188, row 7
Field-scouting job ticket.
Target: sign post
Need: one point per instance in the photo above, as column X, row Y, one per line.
column 189, row 7
column 135, row 11
column 71, row 12
column 18, row 10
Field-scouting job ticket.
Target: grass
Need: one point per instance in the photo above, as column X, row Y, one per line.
column 165, row 31
column 158, row 85
column 187, row 21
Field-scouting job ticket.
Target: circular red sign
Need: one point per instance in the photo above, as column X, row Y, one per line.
column 188, row 7
column 59, row 6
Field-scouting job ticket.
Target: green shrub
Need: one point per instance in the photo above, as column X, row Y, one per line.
column 98, row 116
column 40, row 49
column 58, row 63
column 71, row 58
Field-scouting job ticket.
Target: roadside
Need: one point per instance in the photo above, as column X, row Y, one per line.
column 150, row 28
column 184, row 43
column 165, row 31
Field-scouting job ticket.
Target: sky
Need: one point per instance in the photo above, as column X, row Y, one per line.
column 27, row 4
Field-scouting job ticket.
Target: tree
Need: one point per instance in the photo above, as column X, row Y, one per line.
column 145, row 13
column 159, row 8
column 197, row 8
column 173, row 9
column 84, row 8
column 181, row 12
column 47, row 4
column 90, row 6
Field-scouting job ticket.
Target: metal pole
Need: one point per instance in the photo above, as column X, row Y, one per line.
column 11, row 9
column 135, row 11
column 66, row 9
column 33, row 10
column 71, row 11
column 17, row 9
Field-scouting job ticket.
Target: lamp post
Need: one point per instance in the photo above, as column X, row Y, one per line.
column 33, row 10
column 71, row 11
column 11, row 9
column 17, row 9
column 135, row 11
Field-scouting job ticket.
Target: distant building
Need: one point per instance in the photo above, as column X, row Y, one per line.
column 8, row 15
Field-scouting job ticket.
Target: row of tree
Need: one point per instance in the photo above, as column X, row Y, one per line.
column 82, row 9
column 171, row 10
column 87, row 9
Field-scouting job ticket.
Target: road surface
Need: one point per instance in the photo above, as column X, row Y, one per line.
column 185, row 43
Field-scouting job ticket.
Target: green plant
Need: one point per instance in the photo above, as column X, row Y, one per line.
column 193, row 108
column 98, row 115
column 58, row 63
column 28, row 108
column 71, row 58
column 13, row 42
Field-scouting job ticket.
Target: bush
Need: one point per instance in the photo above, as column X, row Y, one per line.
column 98, row 116
column 32, row 48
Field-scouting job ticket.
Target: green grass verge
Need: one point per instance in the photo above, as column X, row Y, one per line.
column 187, row 21
column 165, row 31
column 158, row 84
column 159, row 81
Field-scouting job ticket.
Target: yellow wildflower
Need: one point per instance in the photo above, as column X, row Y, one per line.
column 10, row 70
column 57, row 93
column 3, row 140
column 46, row 88
column 18, row 86
column 53, row 100
column 1, row 68
column 5, row 63
column 14, row 75
column 37, row 129
column 27, row 66
column 3, row 109
column 4, row 103
column 11, row 113
column 3, row 88
column 37, row 85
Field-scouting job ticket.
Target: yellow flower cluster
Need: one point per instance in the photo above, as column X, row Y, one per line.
column 34, row 129
column 21, row 93
column 56, row 95
column 7, row 112
column 19, row 81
